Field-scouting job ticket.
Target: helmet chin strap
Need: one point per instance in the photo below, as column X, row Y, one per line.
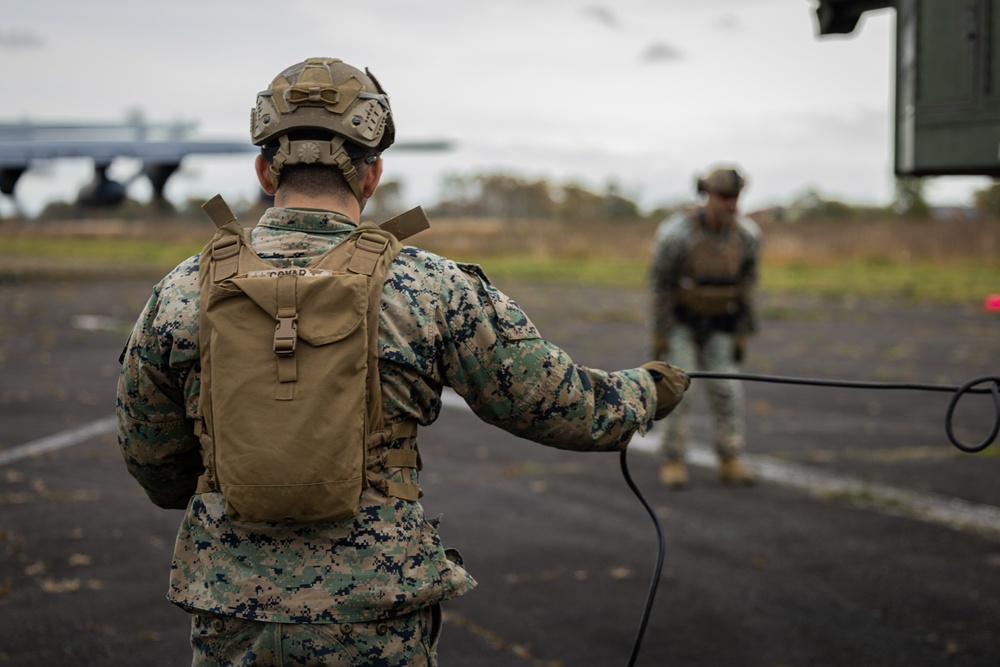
column 312, row 151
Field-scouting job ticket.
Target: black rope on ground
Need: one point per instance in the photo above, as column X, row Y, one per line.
column 959, row 391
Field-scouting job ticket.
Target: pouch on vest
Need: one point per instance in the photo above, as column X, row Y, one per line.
column 709, row 282
column 290, row 395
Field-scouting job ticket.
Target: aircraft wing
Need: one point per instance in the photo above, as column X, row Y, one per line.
column 21, row 153
column 160, row 147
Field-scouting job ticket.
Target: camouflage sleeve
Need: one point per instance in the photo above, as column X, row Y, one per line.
column 155, row 437
column 746, row 321
column 664, row 272
column 495, row 359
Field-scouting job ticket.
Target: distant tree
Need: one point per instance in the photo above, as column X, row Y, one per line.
column 387, row 200
column 59, row 210
column 456, row 197
column 664, row 211
column 617, row 206
column 987, row 201
column 132, row 209
column 248, row 209
column 811, row 206
column 504, row 195
column 495, row 195
column 577, row 202
column 909, row 201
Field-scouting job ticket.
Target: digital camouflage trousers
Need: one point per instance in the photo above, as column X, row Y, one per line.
column 403, row 641
column 725, row 397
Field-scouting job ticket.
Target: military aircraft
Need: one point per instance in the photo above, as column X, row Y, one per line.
column 159, row 146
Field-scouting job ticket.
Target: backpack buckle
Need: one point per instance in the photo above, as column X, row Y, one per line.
column 285, row 335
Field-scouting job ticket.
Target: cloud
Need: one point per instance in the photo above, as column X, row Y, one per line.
column 19, row 39
column 602, row 15
column 727, row 22
column 659, row 52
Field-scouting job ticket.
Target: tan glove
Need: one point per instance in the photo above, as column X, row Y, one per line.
column 671, row 383
column 661, row 348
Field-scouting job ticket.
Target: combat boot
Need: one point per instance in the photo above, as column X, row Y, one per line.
column 732, row 471
column 674, row 474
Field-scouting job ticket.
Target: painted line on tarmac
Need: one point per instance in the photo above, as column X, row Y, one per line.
column 924, row 505
column 59, row 441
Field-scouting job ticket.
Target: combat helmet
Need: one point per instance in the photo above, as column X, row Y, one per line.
column 724, row 181
column 328, row 95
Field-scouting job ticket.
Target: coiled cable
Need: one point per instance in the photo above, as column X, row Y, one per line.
column 969, row 387
column 957, row 391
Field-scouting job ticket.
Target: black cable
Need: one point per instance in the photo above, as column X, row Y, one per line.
column 967, row 387
column 660, row 552
column 852, row 384
column 959, row 391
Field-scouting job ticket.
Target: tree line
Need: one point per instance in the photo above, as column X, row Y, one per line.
column 502, row 195
column 506, row 196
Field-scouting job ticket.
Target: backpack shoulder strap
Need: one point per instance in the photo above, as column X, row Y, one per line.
column 224, row 248
column 218, row 210
column 405, row 225
column 372, row 241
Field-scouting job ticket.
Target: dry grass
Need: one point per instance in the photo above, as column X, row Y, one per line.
column 539, row 239
column 943, row 261
column 892, row 242
column 938, row 260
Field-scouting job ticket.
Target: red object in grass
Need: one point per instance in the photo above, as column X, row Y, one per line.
column 992, row 302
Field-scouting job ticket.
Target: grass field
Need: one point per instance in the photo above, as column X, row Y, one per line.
column 947, row 261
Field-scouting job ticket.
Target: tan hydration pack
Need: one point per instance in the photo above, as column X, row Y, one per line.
column 290, row 398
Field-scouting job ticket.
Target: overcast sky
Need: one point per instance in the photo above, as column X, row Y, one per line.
column 644, row 93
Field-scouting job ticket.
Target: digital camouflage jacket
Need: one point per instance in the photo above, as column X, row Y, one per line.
column 441, row 324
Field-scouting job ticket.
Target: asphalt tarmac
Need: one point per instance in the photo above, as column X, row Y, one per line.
column 871, row 541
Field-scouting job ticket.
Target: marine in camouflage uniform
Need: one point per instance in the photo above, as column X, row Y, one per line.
column 366, row 590
column 703, row 276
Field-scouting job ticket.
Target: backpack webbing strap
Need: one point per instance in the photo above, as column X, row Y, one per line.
column 225, row 257
column 403, row 490
column 205, row 480
column 218, row 210
column 401, row 458
column 204, row 484
column 406, row 224
column 226, row 245
column 285, row 336
column 367, row 253
column 408, row 458
column 407, row 429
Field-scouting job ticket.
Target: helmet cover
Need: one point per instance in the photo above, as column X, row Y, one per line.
column 328, row 95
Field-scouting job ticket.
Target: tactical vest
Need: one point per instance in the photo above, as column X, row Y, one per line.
column 709, row 281
column 291, row 405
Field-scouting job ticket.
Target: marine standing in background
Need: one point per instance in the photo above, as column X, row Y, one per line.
column 703, row 277
column 363, row 590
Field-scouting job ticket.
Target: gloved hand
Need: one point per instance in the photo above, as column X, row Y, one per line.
column 671, row 383
column 660, row 346
column 739, row 349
